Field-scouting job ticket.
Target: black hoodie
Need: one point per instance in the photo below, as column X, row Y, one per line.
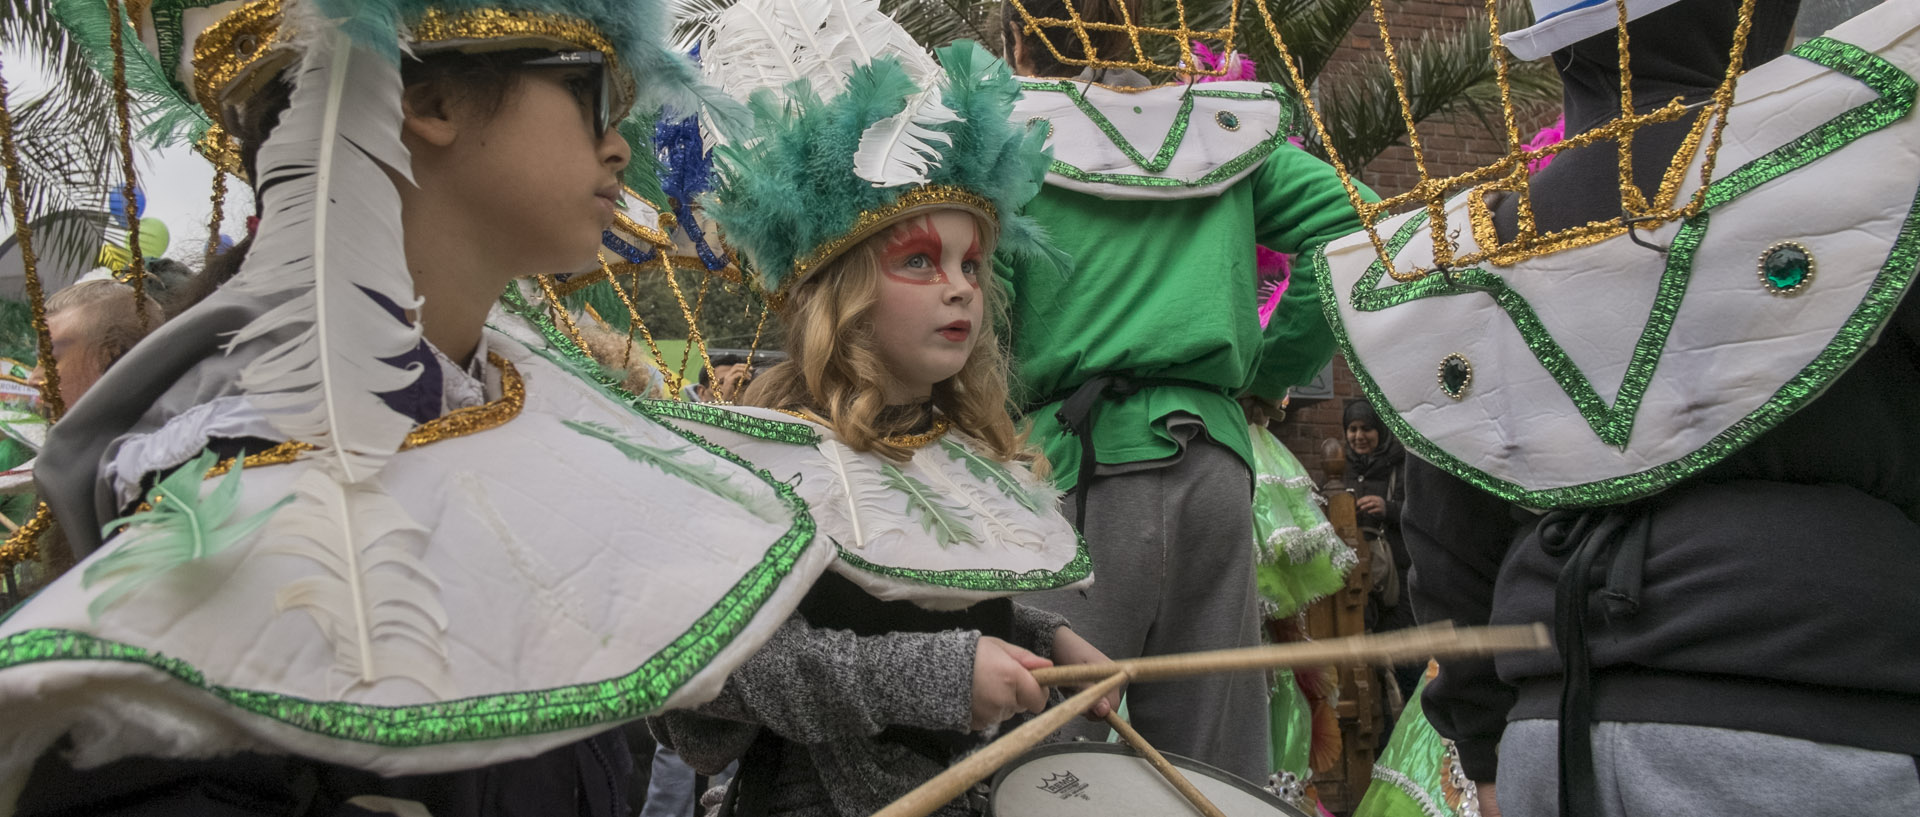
column 1779, row 591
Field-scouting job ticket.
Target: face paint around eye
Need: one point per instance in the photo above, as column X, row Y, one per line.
column 910, row 240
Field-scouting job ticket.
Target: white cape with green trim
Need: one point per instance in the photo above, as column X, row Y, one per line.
column 1169, row 142
column 575, row 567
column 1608, row 372
column 944, row 530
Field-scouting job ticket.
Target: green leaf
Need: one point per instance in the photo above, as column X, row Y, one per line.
column 181, row 527
column 987, row 470
column 943, row 521
column 691, row 464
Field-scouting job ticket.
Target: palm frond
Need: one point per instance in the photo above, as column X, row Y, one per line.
column 64, row 131
column 1449, row 71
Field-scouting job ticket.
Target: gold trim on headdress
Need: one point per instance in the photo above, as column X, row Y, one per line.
column 240, row 44
column 870, row 222
column 480, row 25
column 233, row 48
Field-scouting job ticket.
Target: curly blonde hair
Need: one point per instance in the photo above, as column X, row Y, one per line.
column 834, row 369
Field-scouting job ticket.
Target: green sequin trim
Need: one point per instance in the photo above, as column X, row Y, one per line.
column 571, row 358
column 1897, row 93
column 1175, row 135
column 986, row 580
column 758, row 427
column 1613, row 424
column 486, row 717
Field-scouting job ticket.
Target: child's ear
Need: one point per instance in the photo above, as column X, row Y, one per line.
column 430, row 114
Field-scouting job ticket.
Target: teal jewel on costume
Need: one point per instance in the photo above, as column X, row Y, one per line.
column 1227, row 120
column 1786, row 268
column 1046, row 125
column 1455, row 375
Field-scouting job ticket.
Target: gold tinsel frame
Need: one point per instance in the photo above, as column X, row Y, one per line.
column 1508, row 174
column 1182, row 34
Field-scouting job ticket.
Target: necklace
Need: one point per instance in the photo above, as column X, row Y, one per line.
column 941, row 425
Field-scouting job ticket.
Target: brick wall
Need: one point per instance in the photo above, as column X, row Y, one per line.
column 1450, row 146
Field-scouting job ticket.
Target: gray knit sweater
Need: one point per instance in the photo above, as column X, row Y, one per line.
column 832, row 692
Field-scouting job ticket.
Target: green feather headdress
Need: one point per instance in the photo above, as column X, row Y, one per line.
column 203, row 54
column 855, row 127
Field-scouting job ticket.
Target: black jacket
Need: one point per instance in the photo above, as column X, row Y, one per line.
column 1779, row 590
column 585, row 779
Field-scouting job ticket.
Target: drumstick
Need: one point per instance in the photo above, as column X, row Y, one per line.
column 953, row 782
column 1167, row 770
column 1438, row 641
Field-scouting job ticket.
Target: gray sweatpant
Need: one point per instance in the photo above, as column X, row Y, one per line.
column 1172, row 555
column 1666, row 770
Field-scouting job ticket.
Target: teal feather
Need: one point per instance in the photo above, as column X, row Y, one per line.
column 790, row 187
column 945, row 523
column 180, row 528
column 987, row 470
column 168, row 109
column 692, row 465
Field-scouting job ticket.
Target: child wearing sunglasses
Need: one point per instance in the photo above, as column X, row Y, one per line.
column 344, row 549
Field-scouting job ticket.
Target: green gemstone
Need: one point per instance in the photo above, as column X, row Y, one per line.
column 1455, row 374
column 1136, row 109
column 1786, row 267
column 1228, row 120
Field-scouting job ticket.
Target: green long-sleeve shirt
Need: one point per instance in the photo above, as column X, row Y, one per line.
column 1165, row 288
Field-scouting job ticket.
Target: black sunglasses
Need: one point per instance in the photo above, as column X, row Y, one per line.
column 603, row 95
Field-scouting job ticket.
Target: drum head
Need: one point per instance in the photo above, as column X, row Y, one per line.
column 1109, row 780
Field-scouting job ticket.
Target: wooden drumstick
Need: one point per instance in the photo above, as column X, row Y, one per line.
column 953, row 782
column 1437, row 641
column 1167, row 770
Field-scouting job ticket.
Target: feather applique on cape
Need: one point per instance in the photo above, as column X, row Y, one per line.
column 330, row 257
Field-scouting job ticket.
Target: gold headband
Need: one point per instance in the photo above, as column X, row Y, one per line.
column 251, row 38
column 871, row 222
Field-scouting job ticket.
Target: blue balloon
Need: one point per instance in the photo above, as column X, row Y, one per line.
column 117, row 205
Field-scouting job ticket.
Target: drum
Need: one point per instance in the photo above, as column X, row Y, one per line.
column 1110, row 780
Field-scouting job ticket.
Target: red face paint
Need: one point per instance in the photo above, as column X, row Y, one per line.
column 919, row 239
column 908, row 240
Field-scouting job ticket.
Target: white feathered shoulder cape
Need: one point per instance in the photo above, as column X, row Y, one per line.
column 1608, row 372
column 948, row 528
column 569, row 565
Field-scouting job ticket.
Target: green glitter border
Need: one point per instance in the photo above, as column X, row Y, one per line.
column 485, row 717
column 985, row 579
column 1897, row 93
column 1169, row 146
column 760, row 427
column 570, row 357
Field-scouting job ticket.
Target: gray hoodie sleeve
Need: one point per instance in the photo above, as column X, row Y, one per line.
column 814, row 685
column 1033, row 628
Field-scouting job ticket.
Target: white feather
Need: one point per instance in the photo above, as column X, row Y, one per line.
column 329, row 234
column 377, row 602
column 898, row 150
column 770, row 43
column 836, row 455
column 871, row 34
column 767, row 44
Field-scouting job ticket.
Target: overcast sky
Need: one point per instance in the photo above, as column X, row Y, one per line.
column 178, row 183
